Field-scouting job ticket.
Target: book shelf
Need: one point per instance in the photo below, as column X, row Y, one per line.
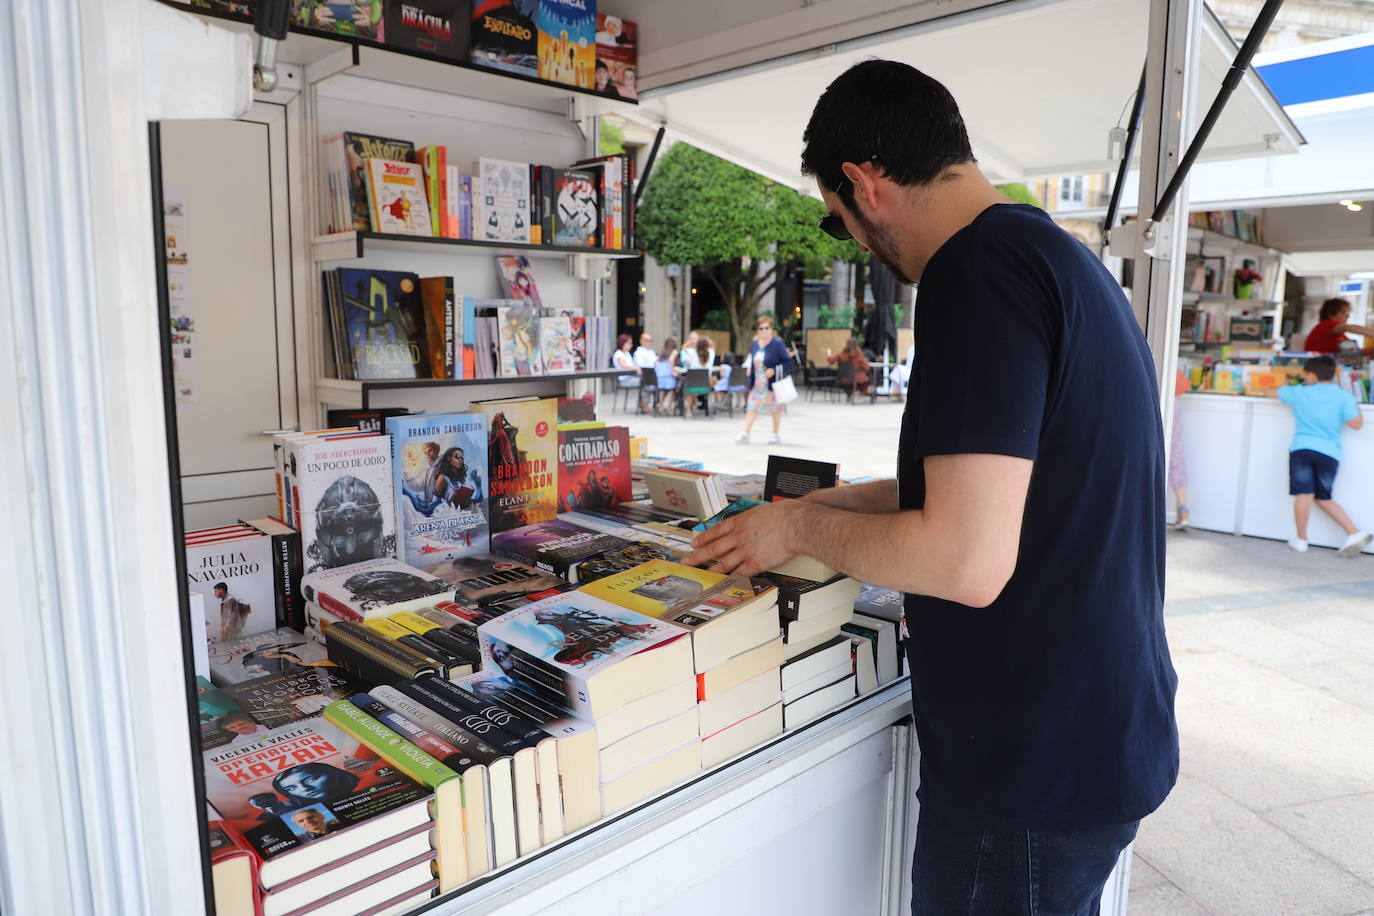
column 357, row 393
column 347, row 246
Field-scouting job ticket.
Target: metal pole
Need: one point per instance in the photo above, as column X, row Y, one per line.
column 1128, row 150
column 649, row 164
column 1228, row 86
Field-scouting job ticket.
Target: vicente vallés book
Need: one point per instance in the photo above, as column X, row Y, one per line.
column 586, row 653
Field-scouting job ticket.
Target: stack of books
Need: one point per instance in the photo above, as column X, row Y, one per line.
column 628, row 675
column 698, row 494
column 821, row 671
column 879, row 622
column 736, row 649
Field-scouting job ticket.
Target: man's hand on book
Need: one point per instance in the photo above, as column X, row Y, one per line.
column 751, row 542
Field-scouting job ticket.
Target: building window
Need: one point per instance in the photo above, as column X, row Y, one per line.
column 1071, row 191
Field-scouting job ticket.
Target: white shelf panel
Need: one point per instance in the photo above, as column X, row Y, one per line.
column 348, row 246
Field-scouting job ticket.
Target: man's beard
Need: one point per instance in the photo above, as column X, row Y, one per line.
column 883, row 245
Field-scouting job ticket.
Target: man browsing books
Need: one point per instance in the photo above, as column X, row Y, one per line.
column 1042, row 689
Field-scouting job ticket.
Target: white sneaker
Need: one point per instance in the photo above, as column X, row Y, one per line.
column 1298, row 544
column 742, row 439
column 774, row 439
column 1355, row 544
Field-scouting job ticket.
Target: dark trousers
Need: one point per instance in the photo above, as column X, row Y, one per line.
column 962, row 870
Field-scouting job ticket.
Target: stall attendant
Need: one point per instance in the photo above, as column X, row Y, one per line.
column 1328, row 334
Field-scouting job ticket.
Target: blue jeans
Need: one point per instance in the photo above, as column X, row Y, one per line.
column 962, row 870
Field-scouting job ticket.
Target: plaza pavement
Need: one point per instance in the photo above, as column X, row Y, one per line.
column 1274, row 809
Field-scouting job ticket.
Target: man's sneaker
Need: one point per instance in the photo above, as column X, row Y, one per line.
column 1355, row 544
column 775, row 439
column 1298, row 544
column 742, row 439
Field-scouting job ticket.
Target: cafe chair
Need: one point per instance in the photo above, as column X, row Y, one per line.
column 695, row 382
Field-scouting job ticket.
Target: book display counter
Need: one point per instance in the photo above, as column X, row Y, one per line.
column 1236, row 449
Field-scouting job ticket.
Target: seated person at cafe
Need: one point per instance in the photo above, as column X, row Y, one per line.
column 1328, row 334
column 852, row 354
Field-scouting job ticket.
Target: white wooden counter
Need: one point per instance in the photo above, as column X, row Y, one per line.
column 1236, row 449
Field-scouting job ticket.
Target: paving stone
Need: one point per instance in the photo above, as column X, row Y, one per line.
column 1342, row 829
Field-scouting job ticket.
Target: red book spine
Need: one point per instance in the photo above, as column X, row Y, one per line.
column 337, row 607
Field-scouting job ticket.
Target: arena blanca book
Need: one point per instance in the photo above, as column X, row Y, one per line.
column 439, row 468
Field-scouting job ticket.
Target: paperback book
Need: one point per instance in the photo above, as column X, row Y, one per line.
column 519, row 330
column 576, row 209
column 504, row 36
column 396, row 197
column 505, row 201
column 263, row 654
column 441, row 28
column 358, row 18
column 587, row 654
column 302, row 784
column 295, row 694
column 556, row 345
column 567, row 42
column 593, row 468
column 357, row 149
column 484, row 577
column 341, row 494
column 517, row 279
column 617, row 57
column 383, row 321
column 236, row 579
column 522, row 461
column 439, row 463
column 374, row 588
column 556, row 546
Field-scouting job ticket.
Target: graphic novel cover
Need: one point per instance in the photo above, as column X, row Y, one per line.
column 518, row 327
column 504, row 36
column 617, row 57
column 359, row 18
column 567, row 41
column 555, row 345
column 576, row 208
column 264, row 788
column 522, row 459
column 385, row 323
column 505, row 201
column 358, row 148
column 397, row 202
column 517, row 279
column 593, row 468
column 439, row 467
column 577, row 326
column 438, row 27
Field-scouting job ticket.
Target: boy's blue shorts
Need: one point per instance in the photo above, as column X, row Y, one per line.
column 1311, row 472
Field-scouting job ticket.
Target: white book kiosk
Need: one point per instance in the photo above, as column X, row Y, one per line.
column 99, row 808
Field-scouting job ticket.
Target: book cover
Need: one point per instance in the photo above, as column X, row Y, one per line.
column 617, row 57
column 522, row 462
column 685, row 595
column 213, row 703
column 358, row 18
column 293, row 695
column 343, row 500
column 519, row 330
column 517, row 279
column 397, row 199
column 365, row 421
column 556, row 546
column 576, row 208
column 374, row 588
column 593, row 468
column 384, row 323
column 273, row 652
column 790, row 478
column 554, row 647
column 483, row 578
column 358, row 148
column 504, row 36
column 577, row 328
column 555, row 345
column 619, row 559
column 441, row 28
column 505, row 200
column 442, row 327
column 439, row 463
column 302, row 782
column 567, row 41
column 236, row 579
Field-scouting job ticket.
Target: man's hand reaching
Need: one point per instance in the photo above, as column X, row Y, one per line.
column 751, row 542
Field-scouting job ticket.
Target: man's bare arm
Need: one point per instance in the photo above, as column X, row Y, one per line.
column 875, row 496
column 962, row 546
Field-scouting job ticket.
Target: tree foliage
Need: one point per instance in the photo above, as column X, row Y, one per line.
column 1020, row 194
column 700, row 210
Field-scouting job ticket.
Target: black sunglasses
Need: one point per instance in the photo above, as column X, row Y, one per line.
column 833, row 225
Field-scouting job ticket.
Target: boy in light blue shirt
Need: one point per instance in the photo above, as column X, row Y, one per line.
column 1321, row 411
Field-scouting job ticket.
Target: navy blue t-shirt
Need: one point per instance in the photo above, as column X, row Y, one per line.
column 1055, row 704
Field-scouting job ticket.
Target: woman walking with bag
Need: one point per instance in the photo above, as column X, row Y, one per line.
column 766, row 368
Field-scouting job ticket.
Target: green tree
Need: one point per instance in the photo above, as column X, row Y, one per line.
column 1020, row 194
column 611, row 137
column 699, row 209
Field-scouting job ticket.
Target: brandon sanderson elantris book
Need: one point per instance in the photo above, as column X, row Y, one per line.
column 522, row 461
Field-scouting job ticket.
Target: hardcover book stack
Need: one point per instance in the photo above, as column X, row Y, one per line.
column 736, row 649
column 698, row 494
column 630, row 676
column 879, row 621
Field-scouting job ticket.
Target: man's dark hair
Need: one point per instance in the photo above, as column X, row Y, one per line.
column 1332, row 306
column 889, row 112
column 1323, row 367
column 220, row 585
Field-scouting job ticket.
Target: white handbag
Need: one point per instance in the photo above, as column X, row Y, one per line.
column 783, row 390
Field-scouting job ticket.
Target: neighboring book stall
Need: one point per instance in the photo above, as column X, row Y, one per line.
column 453, row 656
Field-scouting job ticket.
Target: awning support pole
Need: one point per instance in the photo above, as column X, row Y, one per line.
column 1127, row 151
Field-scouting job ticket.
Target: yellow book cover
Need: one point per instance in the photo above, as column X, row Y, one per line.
column 685, row 595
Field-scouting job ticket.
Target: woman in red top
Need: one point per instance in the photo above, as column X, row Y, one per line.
column 1327, row 334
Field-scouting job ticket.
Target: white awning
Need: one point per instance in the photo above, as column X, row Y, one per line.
column 1040, row 85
